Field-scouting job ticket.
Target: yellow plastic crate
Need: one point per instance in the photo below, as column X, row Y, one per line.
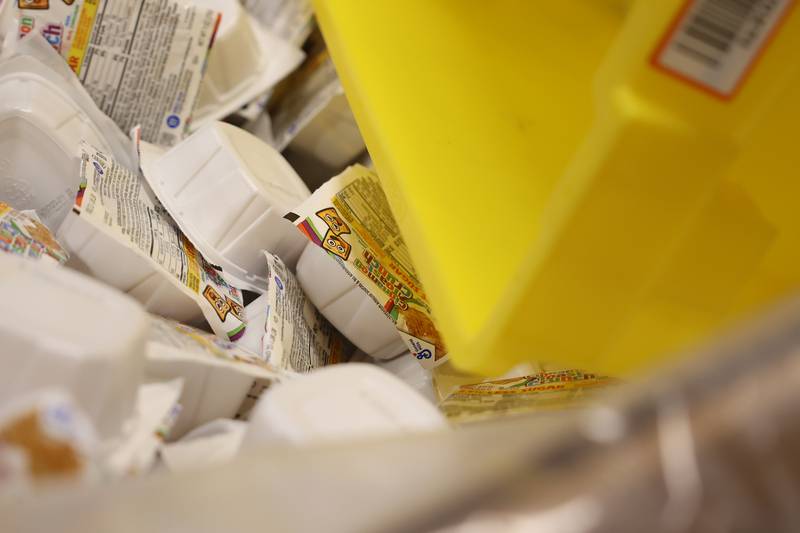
column 591, row 182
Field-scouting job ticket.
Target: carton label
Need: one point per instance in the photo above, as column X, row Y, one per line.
column 713, row 44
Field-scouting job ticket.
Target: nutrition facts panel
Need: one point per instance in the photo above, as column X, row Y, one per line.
column 144, row 64
column 140, row 60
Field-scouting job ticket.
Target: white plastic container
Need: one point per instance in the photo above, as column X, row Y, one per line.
column 340, row 402
column 209, row 392
column 256, row 313
column 332, row 136
column 244, row 62
column 211, row 444
column 407, row 369
column 228, row 192
column 347, row 306
column 217, row 375
column 42, row 121
column 62, row 329
column 289, row 19
column 101, row 256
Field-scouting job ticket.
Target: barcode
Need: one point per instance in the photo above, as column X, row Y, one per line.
column 715, row 41
column 710, row 33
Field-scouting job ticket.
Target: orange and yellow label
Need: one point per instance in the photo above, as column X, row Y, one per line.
column 83, row 32
column 193, row 264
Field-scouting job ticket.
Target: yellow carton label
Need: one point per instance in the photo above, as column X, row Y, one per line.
column 193, row 265
column 83, row 31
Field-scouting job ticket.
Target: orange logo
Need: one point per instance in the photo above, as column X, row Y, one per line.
column 33, row 4
column 333, row 241
column 336, row 245
column 333, row 221
column 222, row 305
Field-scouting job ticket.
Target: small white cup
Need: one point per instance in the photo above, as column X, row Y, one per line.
column 245, row 61
column 41, row 126
column 341, row 402
column 347, row 306
column 62, row 329
column 228, row 192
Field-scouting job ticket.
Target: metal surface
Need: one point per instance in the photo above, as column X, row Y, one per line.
column 709, row 445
